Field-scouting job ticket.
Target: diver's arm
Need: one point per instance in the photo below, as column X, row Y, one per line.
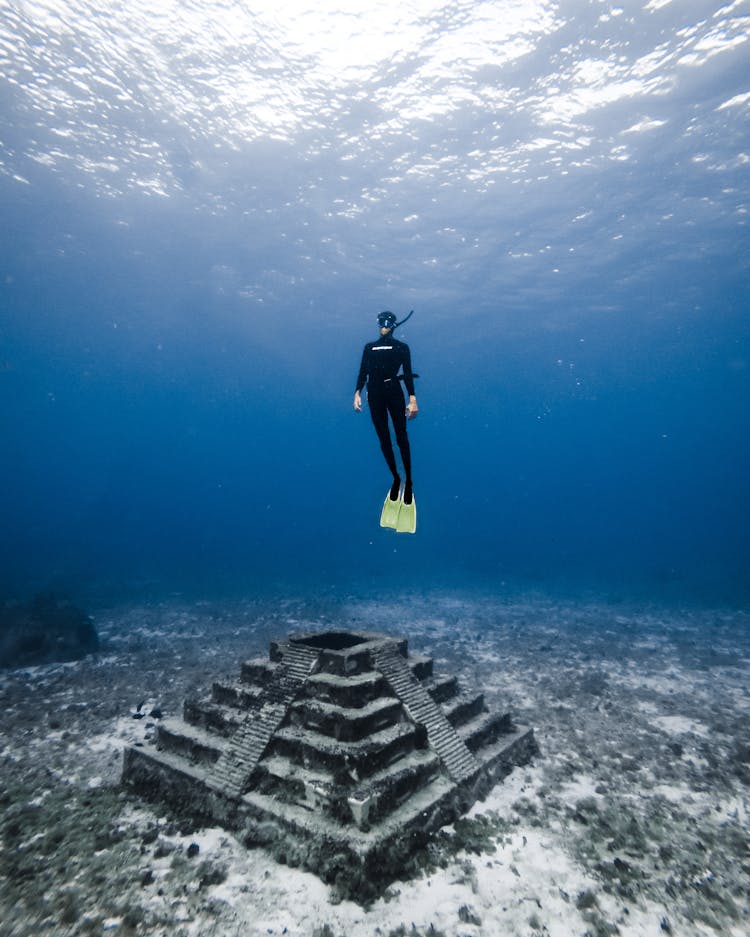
column 361, row 380
column 408, row 375
column 411, row 408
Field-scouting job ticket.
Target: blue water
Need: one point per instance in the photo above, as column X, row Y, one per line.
column 205, row 206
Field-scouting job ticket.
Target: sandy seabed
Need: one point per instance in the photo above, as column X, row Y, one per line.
column 632, row 820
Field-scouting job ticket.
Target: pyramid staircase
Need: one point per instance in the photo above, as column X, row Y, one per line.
column 240, row 758
column 423, row 710
column 340, row 752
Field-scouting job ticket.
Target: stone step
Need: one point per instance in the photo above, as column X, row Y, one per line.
column 353, row 691
column 419, row 664
column 345, row 724
column 459, row 764
column 392, row 786
column 515, row 747
column 412, row 813
column 259, row 671
column 285, row 770
column 238, row 695
column 463, row 708
column 316, row 789
column 356, row 759
column 441, row 688
column 191, row 742
column 484, row 729
column 298, row 661
column 213, row 717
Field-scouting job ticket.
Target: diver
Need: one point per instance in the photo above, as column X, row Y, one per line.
column 381, row 361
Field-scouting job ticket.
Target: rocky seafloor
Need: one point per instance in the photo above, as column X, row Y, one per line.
column 632, row 820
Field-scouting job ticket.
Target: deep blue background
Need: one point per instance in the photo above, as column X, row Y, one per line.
column 151, row 437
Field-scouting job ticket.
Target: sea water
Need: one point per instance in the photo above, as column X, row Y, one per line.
column 205, row 206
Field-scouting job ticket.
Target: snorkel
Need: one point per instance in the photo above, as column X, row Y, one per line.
column 405, row 319
column 387, row 320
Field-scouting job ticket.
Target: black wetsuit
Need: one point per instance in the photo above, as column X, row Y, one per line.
column 381, row 361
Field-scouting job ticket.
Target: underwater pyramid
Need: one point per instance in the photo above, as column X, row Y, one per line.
column 340, row 753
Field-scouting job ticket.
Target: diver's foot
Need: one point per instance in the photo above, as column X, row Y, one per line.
column 395, row 488
column 408, row 493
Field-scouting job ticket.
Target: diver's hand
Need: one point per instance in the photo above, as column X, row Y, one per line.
column 411, row 408
column 357, row 401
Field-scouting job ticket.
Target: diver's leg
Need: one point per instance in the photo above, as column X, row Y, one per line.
column 379, row 414
column 397, row 410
